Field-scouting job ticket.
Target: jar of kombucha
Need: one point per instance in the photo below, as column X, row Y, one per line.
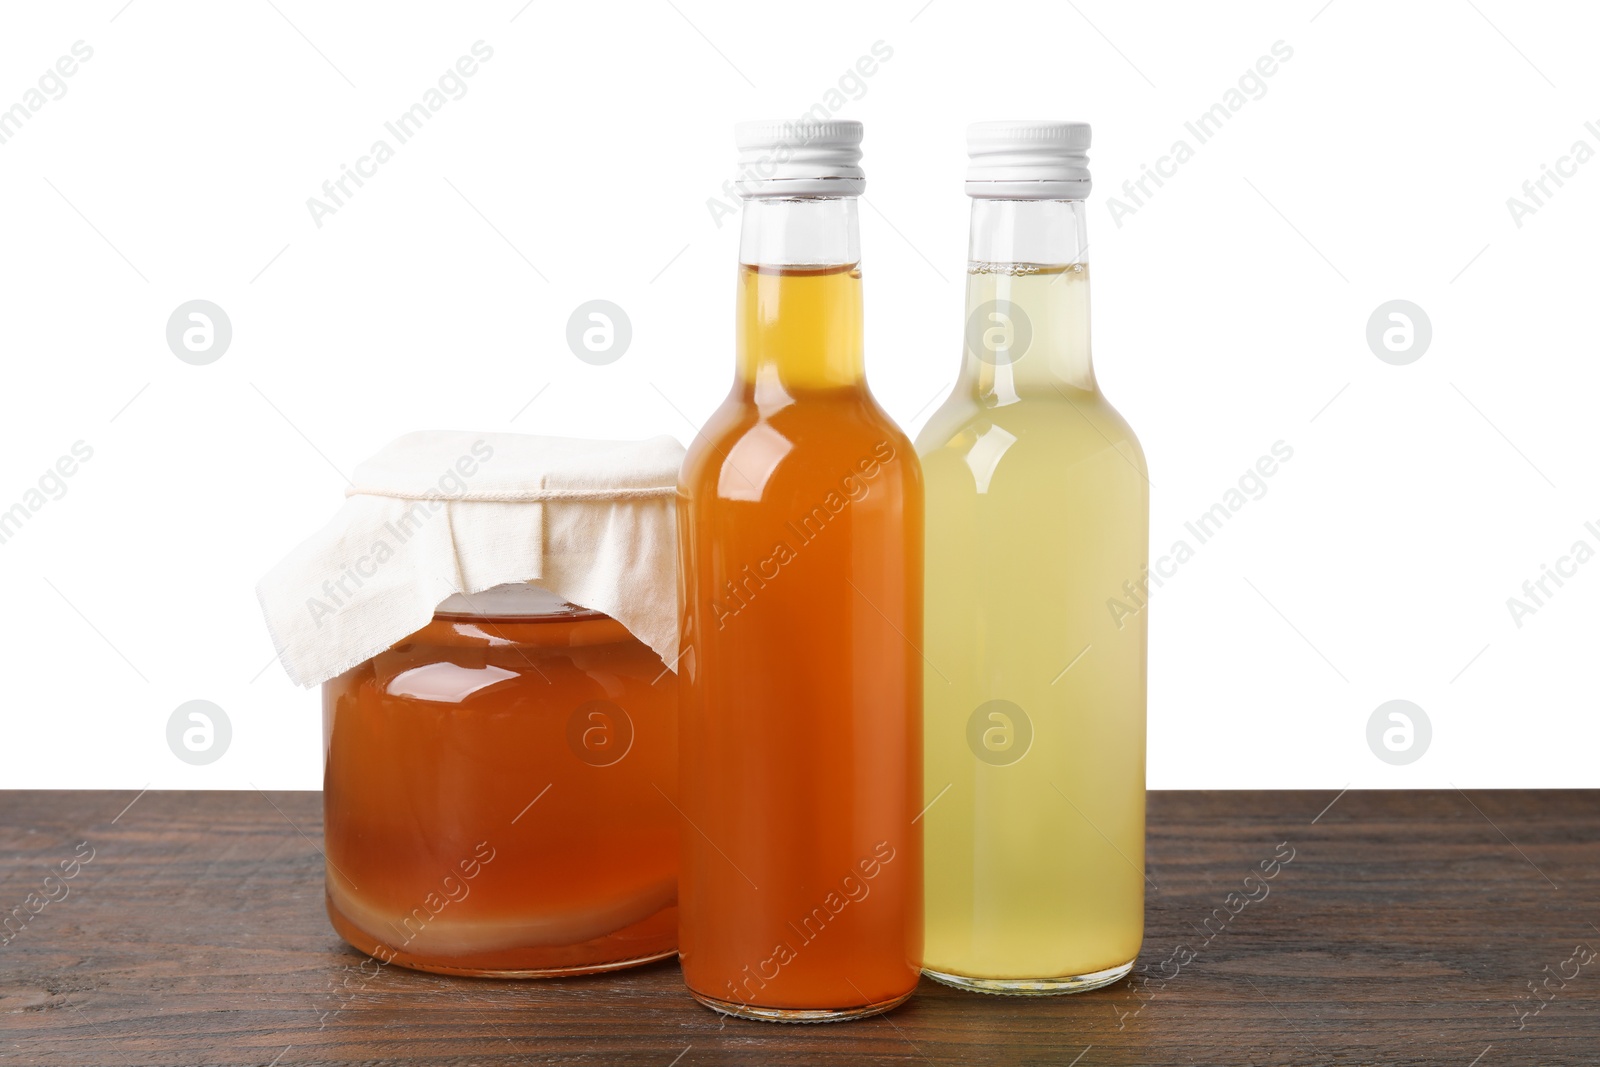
column 800, row 541
column 497, row 793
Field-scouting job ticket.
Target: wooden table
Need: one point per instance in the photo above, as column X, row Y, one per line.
column 1405, row 929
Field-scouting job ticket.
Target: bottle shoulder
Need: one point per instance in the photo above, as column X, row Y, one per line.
column 749, row 451
column 1065, row 424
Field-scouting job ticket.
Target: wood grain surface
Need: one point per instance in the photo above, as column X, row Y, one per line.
column 1407, row 928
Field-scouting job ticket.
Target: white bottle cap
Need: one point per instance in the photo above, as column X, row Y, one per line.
column 804, row 157
column 1028, row 160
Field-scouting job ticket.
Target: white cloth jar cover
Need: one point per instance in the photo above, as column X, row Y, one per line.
column 441, row 513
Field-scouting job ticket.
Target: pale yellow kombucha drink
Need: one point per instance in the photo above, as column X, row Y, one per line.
column 1037, row 534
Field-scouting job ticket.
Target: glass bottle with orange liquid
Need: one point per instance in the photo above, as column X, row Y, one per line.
column 800, row 539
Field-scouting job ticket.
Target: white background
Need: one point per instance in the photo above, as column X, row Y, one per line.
column 1230, row 313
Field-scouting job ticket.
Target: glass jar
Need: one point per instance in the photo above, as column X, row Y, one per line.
column 497, row 793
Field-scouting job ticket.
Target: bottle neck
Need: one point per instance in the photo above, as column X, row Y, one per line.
column 1027, row 324
column 799, row 317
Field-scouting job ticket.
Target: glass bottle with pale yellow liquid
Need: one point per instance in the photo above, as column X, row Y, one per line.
column 1037, row 514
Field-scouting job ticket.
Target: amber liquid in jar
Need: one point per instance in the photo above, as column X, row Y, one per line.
column 498, row 797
